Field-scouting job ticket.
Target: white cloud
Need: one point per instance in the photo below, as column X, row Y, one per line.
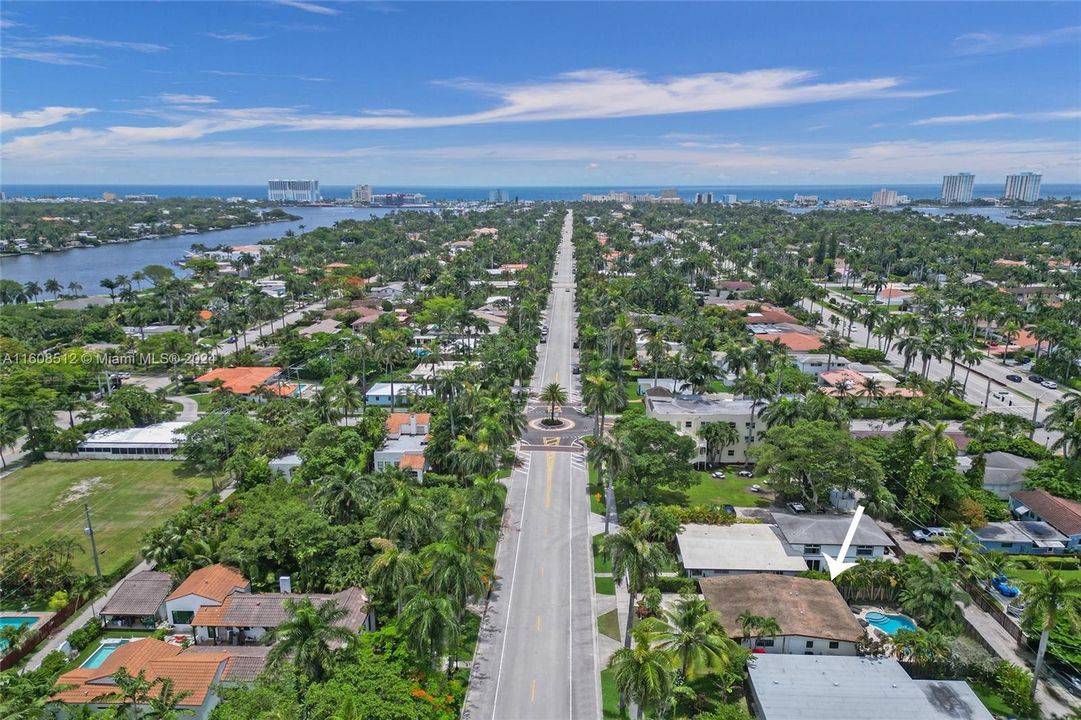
column 385, row 112
column 22, row 52
column 97, row 42
column 235, row 37
column 308, row 7
column 51, row 115
column 184, row 99
column 982, row 43
column 991, row 117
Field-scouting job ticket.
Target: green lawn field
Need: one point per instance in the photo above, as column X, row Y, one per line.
column 729, row 490
column 126, row 498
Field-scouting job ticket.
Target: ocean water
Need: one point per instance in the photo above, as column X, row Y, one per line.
column 334, row 192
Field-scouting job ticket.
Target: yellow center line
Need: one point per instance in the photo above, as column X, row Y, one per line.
column 538, row 623
column 533, row 692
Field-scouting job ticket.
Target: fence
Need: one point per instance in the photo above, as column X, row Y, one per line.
column 990, row 606
column 38, row 634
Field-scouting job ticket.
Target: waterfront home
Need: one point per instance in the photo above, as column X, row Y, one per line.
column 813, row 617
column 1061, row 514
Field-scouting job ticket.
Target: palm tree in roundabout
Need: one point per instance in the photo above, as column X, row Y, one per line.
column 553, row 395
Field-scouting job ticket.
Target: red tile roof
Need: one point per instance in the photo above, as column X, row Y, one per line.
column 412, row 461
column 240, row 380
column 214, row 582
column 397, row 420
column 797, row 341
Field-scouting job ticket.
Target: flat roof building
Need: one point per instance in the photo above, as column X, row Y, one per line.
column 293, row 191
column 1024, row 187
column 153, row 442
column 708, row 550
column 957, row 188
column 688, row 413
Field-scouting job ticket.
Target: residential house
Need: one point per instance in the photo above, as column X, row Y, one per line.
column 788, row 687
column 1061, row 514
column 248, row 381
column 813, row 617
column 893, row 296
column 688, row 413
column 391, row 292
column 139, row 601
column 851, row 382
column 194, row 674
column 672, row 385
column 815, row 535
column 153, row 442
column 245, row 618
column 428, row 371
column 1026, row 537
column 796, row 338
column 208, row 586
column 742, row 548
column 368, row 315
column 1003, row 472
column 380, row 393
column 285, row 465
column 407, row 438
column 815, row 363
column 327, row 325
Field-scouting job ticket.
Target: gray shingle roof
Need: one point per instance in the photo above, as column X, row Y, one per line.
column 140, row 595
column 828, row 530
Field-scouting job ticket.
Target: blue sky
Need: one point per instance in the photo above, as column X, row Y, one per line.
column 538, row 93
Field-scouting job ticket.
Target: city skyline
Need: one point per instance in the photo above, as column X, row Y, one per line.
column 860, row 94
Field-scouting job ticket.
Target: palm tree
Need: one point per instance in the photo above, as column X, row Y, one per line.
column 643, row 674
column 833, row 345
column 1009, row 330
column 9, row 435
column 635, row 558
column 961, row 541
column 431, row 626
column 718, row 436
column 488, row 493
column 934, row 443
column 454, row 572
column 1050, row 598
column 308, row 637
column 602, row 394
column 54, row 287
column 348, row 398
column 692, row 633
column 165, row 705
column 344, row 495
column 554, row 396
column 786, row 411
column 930, row 594
column 393, row 570
column 403, row 517
column 610, row 461
column 872, row 388
column 75, row 288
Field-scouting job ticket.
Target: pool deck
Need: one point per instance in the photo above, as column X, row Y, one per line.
column 39, row 617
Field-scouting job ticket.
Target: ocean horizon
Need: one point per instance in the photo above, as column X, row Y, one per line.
column 522, row 192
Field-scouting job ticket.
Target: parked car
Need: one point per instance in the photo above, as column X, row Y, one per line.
column 1036, row 378
column 745, row 474
column 1015, row 609
column 232, row 339
column 1002, row 585
column 1014, row 378
column 576, row 370
column 730, row 509
column 796, row 508
column 920, row 535
column 717, row 474
column 1050, row 384
column 756, row 488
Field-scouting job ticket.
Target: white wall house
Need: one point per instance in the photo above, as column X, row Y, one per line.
column 688, row 413
column 811, row 536
column 207, row 586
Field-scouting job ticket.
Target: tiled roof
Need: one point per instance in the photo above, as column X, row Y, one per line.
column 214, row 582
column 812, row 608
column 193, row 673
column 397, row 420
column 267, row 610
column 1062, row 514
column 412, row 461
column 139, row 595
column 793, row 340
column 240, row 380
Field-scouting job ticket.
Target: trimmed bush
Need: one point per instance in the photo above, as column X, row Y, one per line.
column 85, row 635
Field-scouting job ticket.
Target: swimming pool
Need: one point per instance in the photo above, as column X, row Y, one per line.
column 890, row 624
column 100, row 655
column 16, row 621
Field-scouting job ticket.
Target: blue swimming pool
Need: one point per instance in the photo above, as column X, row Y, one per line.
column 890, row 624
column 19, row 621
column 102, row 653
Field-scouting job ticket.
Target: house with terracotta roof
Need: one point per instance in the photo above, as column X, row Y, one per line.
column 208, row 586
column 813, row 617
column 368, row 315
column 194, row 673
column 849, row 382
column 245, row 618
column 407, row 438
column 1061, row 514
column 795, row 340
column 239, row 380
column 893, row 296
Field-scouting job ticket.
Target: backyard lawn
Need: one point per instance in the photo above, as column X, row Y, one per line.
column 729, row 490
column 126, row 498
column 1025, row 575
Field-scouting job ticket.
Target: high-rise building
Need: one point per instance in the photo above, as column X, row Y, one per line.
column 957, row 188
column 498, row 196
column 728, row 199
column 293, row 190
column 1023, row 186
column 705, row 198
column 884, row 198
column 362, row 194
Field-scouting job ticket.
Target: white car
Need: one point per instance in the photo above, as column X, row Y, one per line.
column 745, row 474
column 1050, row 384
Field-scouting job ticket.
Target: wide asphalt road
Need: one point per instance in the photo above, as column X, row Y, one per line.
column 536, row 658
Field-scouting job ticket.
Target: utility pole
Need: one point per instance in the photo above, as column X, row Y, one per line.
column 1035, row 409
column 987, row 395
column 89, row 530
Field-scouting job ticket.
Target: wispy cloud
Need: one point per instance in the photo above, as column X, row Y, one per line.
column 18, row 51
column 101, row 43
column 184, row 99
column 386, row 112
column 235, row 37
column 237, row 73
column 9, row 122
column 981, row 43
column 5, row 23
column 992, row 117
column 308, row 7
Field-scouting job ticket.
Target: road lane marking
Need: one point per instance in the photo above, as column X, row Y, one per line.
column 548, row 486
column 533, row 692
column 551, row 441
column 538, row 623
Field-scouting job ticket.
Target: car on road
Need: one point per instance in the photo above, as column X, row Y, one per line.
column 730, row 509
column 576, row 370
column 745, row 474
column 1036, row 378
column 232, row 339
column 1050, row 384
column 1014, row 378
column 795, row 507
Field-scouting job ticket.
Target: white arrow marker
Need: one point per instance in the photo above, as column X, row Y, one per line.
column 838, row 565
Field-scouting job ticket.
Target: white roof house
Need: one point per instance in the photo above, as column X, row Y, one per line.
column 797, row 687
column 151, row 442
column 735, row 549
